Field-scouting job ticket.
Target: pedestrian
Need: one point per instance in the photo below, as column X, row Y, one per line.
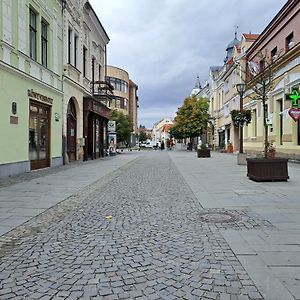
column 162, row 145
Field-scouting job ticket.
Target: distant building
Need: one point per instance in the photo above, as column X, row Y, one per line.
column 161, row 129
column 125, row 98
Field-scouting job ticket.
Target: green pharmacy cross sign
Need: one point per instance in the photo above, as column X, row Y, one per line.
column 294, row 96
column 294, row 112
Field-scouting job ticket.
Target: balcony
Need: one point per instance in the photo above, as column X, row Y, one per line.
column 102, row 89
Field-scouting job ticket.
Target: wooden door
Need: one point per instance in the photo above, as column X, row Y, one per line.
column 71, row 131
column 39, row 135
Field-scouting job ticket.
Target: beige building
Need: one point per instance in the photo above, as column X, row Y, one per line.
column 85, row 117
column 119, row 79
column 224, row 97
column 125, row 95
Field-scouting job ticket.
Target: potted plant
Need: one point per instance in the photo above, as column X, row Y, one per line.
column 229, row 148
column 203, row 151
column 268, row 167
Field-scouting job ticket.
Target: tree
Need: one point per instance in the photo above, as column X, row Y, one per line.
column 260, row 81
column 124, row 125
column 191, row 118
column 143, row 136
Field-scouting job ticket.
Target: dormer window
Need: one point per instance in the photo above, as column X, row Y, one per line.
column 274, row 54
column 289, row 41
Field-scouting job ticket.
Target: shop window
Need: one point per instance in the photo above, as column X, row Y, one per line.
column 44, row 42
column 289, row 41
column 32, row 34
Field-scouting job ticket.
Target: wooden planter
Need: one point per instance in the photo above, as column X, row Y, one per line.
column 261, row 169
column 203, row 153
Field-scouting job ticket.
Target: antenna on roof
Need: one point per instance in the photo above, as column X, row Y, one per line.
column 235, row 32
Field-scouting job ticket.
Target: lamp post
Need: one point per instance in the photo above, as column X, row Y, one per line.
column 241, row 88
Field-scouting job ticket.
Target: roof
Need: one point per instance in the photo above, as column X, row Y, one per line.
column 250, row 36
column 234, row 42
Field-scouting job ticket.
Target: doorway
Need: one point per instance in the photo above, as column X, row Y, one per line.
column 71, row 131
column 39, row 135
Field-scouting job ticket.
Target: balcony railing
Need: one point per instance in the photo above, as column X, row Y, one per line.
column 101, row 88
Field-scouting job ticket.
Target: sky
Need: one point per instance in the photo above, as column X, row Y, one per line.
column 165, row 44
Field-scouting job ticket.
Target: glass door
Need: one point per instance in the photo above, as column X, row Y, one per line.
column 39, row 135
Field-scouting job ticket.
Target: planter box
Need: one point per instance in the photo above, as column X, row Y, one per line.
column 203, row 152
column 261, row 169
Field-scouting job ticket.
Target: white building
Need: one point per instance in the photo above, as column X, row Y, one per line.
column 85, row 43
column 160, row 130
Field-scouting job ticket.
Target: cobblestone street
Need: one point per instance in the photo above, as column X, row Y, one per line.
column 142, row 234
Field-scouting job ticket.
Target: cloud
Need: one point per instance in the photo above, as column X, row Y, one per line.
column 165, row 44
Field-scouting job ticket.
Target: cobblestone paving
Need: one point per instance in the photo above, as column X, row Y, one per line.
column 135, row 237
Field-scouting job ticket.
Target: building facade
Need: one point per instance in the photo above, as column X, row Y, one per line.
column 31, row 51
column 280, row 41
column 85, row 93
column 161, row 130
column 125, row 97
column 224, row 97
column 119, row 79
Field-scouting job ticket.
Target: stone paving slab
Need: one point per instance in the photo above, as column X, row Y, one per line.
column 134, row 237
column 27, row 195
column 214, row 182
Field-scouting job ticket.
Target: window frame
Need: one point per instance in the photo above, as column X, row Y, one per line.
column 32, row 34
column 44, row 43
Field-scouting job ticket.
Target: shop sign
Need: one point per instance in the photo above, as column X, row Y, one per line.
column 112, row 142
column 294, row 112
column 294, row 96
column 111, row 126
column 36, row 96
column 14, row 120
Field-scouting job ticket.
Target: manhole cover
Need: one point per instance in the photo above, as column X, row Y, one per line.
column 217, row 217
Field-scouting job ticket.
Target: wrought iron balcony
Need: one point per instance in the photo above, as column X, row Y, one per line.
column 101, row 89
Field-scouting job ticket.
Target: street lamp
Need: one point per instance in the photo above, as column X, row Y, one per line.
column 241, row 88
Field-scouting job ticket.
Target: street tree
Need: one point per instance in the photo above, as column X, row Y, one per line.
column 143, row 136
column 191, row 118
column 260, row 75
column 124, row 126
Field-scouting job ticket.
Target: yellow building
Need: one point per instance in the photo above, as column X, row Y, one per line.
column 280, row 40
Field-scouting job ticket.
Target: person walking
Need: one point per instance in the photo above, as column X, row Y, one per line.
column 162, row 145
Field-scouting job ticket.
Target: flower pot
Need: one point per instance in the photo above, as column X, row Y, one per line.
column 229, row 148
column 203, row 153
column 261, row 169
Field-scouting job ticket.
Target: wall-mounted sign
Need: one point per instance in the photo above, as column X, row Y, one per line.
column 294, row 114
column 36, row 96
column 111, row 126
column 294, row 96
column 14, row 108
column 14, row 120
column 112, row 143
column 57, row 117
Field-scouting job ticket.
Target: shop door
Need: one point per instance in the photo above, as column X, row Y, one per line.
column 39, row 136
column 71, row 131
